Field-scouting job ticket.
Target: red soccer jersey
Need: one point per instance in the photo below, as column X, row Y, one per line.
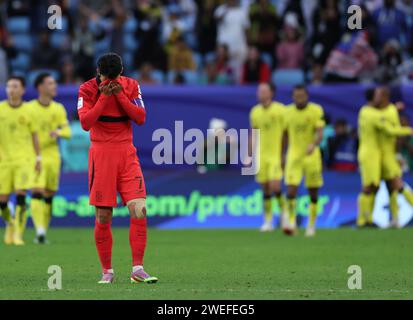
column 108, row 118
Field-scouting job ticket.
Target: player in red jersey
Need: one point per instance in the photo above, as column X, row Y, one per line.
column 107, row 105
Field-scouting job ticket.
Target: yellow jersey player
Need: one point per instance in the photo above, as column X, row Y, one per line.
column 373, row 131
column 267, row 117
column 304, row 123
column 390, row 167
column 52, row 124
column 20, row 157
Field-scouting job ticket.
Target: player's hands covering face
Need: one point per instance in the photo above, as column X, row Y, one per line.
column 105, row 88
column 116, row 87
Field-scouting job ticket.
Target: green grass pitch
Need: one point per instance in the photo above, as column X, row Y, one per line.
column 217, row 264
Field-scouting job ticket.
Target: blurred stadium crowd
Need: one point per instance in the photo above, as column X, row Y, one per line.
column 211, row 41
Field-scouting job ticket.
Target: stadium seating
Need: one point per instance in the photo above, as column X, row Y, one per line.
column 34, row 73
column 18, row 25
column 288, row 77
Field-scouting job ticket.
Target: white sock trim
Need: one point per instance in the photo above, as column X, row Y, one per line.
column 136, row 268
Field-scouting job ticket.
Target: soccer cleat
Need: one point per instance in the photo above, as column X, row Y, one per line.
column 290, row 228
column 310, row 231
column 107, row 278
column 141, row 276
column 267, row 227
column 18, row 241
column 41, row 239
column 8, row 234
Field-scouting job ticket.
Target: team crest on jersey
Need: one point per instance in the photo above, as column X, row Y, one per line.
column 80, row 103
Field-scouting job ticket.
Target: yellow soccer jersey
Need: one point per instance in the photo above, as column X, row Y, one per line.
column 271, row 125
column 368, row 122
column 50, row 118
column 301, row 126
column 16, row 128
column 390, row 128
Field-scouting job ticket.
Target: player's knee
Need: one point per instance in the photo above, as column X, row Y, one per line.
column 103, row 215
column 21, row 199
column 137, row 208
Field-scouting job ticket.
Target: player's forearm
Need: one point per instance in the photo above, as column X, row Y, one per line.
column 64, row 132
column 88, row 118
column 134, row 112
column 36, row 145
column 319, row 137
column 397, row 131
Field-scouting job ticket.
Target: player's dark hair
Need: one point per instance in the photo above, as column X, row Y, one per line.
column 18, row 78
column 40, row 78
column 369, row 94
column 110, row 65
column 300, row 87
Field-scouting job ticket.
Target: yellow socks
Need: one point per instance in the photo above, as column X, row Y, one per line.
column 394, row 205
column 20, row 223
column 5, row 213
column 38, row 209
column 267, row 209
column 408, row 195
column 312, row 213
column 365, row 209
column 291, row 210
column 47, row 214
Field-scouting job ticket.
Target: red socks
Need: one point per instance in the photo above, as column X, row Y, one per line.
column 103, row 239
column 137, row 240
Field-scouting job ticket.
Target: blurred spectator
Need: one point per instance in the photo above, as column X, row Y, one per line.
column 390, row 60
column 390, row 23
column 233, row 23
column 328, row 132
column 405, row 146
column 7, row 51
column 206, row 26
column 119, row 19
column 264, row 25
column 83, row 50
column 326, row 30
column 174, row 25
column 342, row 148
column 294, row 8
column 67, row 73
column 255, row 70
column 45, row 56
column 145, row 74
column 219, row 71
column 352, row 59
column 290, row 51
column 180, row 57
column 317, row 74
column 17, row 8
column 149, row 17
